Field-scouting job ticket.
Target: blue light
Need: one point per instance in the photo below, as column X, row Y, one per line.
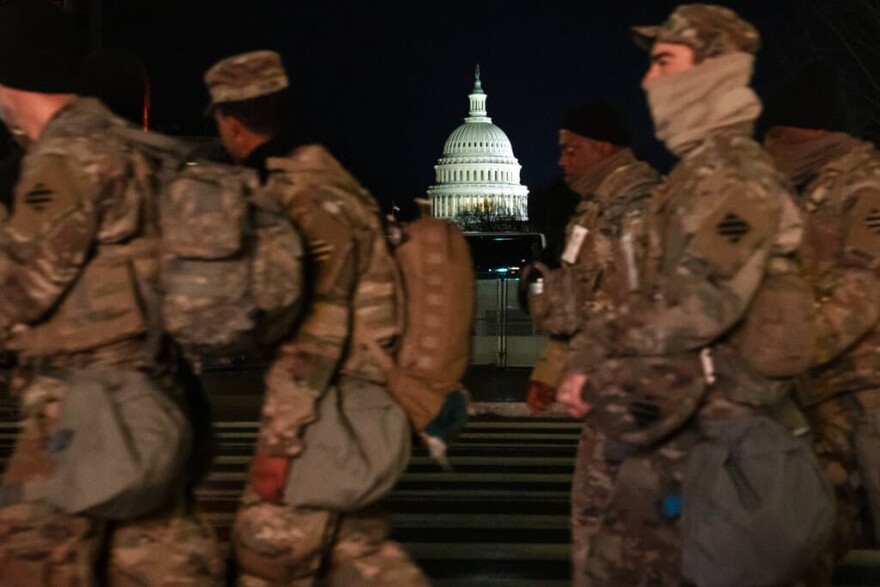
column 502, row 270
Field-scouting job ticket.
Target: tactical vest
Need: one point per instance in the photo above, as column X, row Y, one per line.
column 192, row 250
column 103, row 311
column 374, row 302
column 603, row 256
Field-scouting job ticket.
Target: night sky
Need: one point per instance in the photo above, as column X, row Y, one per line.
column 384, row 87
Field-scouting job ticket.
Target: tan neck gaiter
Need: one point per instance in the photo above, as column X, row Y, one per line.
column 586, row 184
column 688, row 107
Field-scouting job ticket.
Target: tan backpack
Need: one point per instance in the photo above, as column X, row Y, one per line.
column 437, row 279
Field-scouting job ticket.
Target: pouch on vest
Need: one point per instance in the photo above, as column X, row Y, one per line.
column 737, row 380
column 554, row 305
column 102, row 307
column 675, row 385
column 777, row 338
column 756, row 506
column 122, row 448
column 353, row 453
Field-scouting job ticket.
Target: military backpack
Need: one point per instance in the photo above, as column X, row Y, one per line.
column 438, row 289
column 230, row 259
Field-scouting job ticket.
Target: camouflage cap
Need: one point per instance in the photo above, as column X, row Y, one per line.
column 245, row 76
column 708, row 29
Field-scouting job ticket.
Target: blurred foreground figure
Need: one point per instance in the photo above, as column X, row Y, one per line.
column 808, row 134
column 305, row 509
column 679, row 382
column 103, row 460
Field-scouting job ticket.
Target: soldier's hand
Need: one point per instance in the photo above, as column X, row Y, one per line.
column 540, row 397
column 570, row 394
column 645, row 411
column 269, row 476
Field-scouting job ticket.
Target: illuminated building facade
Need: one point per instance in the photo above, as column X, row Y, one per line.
column 478, row 172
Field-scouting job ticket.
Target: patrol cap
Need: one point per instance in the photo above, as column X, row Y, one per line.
column 38, row 47
column 245, row 76
column 710, row 30
column 597, row 120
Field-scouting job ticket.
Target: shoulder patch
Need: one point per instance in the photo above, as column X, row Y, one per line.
column 47, row 191
column 730, row 234
column 862, row 229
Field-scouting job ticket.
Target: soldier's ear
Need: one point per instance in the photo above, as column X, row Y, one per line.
column 606, row 148
column 235, row 127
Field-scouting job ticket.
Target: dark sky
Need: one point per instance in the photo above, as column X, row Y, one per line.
column 384, row 87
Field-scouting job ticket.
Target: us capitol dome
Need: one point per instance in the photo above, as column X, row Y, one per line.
column 478, row 172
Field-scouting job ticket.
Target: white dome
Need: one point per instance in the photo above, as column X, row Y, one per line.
column 478, row 171
column 477, row 138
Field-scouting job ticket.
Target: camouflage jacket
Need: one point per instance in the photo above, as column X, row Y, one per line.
column 70, row 276
column 352, row 287
column 721, row 221
column 601, row 255
column 841, row 255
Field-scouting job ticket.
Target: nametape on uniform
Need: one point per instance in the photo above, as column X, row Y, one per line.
column 574, row 244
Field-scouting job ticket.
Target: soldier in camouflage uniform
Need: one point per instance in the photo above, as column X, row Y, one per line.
column 613, row 186
column 838, row 178
column 352, row 306
column 600, row 265
column 74, row 263
column 719, row 225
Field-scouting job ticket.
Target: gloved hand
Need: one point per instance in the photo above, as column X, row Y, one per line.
column 645, row 411
column 268, row 477
column 540, row 397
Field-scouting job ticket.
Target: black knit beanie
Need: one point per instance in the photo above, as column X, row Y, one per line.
column 38, row 47
column 812, row 97
column 597, row 120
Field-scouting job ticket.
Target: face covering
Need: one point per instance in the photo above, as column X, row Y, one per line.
column 688, row 107
column 586, row 183
column 801, row 160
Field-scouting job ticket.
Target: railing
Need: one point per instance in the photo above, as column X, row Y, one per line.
column 503, row 333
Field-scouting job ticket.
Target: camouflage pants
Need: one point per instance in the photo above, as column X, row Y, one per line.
column 53, row 548
column 280, row 546
column 620, row 535
column 42, row 547
column 834, row 425
column 165, row 551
